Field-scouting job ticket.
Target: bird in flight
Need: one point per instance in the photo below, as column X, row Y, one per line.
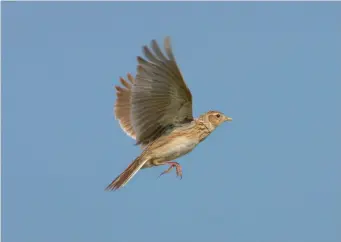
column 155, row 109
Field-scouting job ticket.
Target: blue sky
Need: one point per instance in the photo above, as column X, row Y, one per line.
column 273, row 174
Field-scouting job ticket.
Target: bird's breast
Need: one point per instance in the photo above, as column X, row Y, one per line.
column 175, row 147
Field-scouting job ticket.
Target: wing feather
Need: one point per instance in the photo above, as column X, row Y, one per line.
column 122, row 107
column 160, row 98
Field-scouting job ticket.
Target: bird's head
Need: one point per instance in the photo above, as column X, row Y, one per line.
column 212, row 119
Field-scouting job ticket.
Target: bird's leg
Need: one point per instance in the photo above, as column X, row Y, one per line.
column 172, row 165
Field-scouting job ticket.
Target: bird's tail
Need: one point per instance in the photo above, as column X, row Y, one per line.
column 128, row 173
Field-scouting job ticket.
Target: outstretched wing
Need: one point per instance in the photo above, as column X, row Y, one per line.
column 122, row 108
column 160, row 98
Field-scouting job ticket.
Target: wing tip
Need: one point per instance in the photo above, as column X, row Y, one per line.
column 130, row 78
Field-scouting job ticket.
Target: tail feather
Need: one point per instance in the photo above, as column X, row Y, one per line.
column 127, row 174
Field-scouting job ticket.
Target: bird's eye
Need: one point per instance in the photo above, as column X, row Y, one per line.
column 218, row 115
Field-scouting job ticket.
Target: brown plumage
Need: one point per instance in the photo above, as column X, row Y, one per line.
column 155, row 108
column 122, row 108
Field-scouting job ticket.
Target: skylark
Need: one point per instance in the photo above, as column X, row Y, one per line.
column 155, row 108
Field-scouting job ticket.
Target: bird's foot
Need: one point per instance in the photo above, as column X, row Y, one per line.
column 172, row 165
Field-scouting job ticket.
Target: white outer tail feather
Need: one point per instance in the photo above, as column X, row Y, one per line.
column 134, row 172
column 128, row 173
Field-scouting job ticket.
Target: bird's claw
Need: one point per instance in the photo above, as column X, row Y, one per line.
column 178, row 171
column 177, row 167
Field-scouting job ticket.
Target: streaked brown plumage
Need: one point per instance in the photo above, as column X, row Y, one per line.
column 155, row 108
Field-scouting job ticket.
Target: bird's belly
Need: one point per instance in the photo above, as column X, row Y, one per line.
column 174, row 149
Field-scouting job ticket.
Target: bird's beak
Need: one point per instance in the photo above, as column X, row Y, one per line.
column 228, row 119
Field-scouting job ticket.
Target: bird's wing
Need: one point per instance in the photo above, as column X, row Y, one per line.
column 160, row 97
column 122, row 108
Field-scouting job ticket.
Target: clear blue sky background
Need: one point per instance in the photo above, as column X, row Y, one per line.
column 273, row 174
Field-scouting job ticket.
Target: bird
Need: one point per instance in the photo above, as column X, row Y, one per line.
column 155, row 109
